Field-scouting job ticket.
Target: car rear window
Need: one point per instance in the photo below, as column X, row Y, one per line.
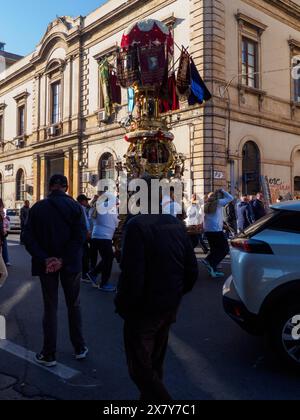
column 261, row 224
column 279, row 220
column 287, row 221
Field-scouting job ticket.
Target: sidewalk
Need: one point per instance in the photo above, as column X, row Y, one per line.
column 10, row 389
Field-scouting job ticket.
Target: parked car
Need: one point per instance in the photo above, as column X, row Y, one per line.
column 14, row 217
column 263, row 293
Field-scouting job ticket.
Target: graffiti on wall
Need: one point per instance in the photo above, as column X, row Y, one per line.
column 278, row 187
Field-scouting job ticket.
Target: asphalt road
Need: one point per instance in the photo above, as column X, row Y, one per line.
column 209, row 357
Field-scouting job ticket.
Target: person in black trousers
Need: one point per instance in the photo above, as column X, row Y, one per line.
column 83, row 200
column 244, row 214
column 158, row 266
column 258, row 207
column 54, row 236
column 213, row 227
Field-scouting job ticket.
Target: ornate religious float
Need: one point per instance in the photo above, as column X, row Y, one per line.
column 145, row 67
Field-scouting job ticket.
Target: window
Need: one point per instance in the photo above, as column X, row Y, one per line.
column 288, row 221
column 107, row 167
column 297, row 183
column 20, row 185
column 1, row 127
column 250, row 63
column 296, row 79
column 251, row 168
column 21, row 121
column 250, row 33
column 55, row 102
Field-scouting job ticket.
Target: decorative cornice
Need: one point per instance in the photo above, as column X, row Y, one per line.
column 26, row 69
column 21, row 96
column 2, row 107
column 106, row 53
column 294, row 44
column 55, row 65
column 249, row 21
column 287, row 6
column 118, row 12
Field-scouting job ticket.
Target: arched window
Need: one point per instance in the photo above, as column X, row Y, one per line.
column 251, row 168
column 107, row 167
column 296, row 164
column 297, row 184
column 20, row 186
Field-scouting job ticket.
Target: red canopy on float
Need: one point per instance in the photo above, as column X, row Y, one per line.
column 148, row 32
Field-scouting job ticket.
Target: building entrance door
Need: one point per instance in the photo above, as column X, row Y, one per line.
column 55, row 166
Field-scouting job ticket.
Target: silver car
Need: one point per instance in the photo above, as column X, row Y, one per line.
column 263, row 293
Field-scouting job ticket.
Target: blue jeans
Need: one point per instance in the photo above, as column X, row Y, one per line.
column 5, row 251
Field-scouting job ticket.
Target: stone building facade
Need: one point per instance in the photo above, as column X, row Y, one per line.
column 51, row 105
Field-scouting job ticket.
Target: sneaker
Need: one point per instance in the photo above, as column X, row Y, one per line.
column 216, row 274
column 82, row 354
column 47, row 361
column 108, row 288
column 86, row 280
column 92, row 278
column 8, row 264
column 207, row 265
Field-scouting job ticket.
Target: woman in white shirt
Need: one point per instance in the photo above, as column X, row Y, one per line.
column 195, row 217
column 213, row 228
column 104, row 222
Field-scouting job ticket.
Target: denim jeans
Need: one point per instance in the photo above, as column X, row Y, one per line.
column 5, row 251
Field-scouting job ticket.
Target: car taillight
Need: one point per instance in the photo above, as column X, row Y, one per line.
column 252, row 246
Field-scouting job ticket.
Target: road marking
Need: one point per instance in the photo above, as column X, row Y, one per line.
column 19, row 296
column 62, row 371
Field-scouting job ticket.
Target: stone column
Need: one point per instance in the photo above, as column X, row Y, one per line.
column 208, row 51
column 76, row 92
column 43, row 177
column 68, row 169
column 76, row 174
column 36, row 178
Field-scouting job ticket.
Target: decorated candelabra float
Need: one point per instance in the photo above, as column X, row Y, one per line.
column 145, row 67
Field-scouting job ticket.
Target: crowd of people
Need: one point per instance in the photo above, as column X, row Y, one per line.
column 220, row 216
column 71, row 242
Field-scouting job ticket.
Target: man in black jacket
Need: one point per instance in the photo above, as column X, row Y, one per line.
column 24, row 218
column 258, row 207
column 158, row 267
column 54, row 236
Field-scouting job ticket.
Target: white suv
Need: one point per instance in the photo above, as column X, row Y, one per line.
column 263, row 293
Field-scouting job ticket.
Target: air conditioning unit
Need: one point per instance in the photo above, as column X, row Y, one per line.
column 20, row 142
column 53, row 131
column 102, row 117
column 86, row 176
column 94, row 179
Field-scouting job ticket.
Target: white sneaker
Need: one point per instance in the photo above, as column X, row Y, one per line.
column 83, row 354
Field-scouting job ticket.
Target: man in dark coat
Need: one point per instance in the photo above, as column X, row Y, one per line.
column 258, row 207
column 158, row 267
column 24, row 215
column 230, row 217
column 54, row 236
column 244, row 214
